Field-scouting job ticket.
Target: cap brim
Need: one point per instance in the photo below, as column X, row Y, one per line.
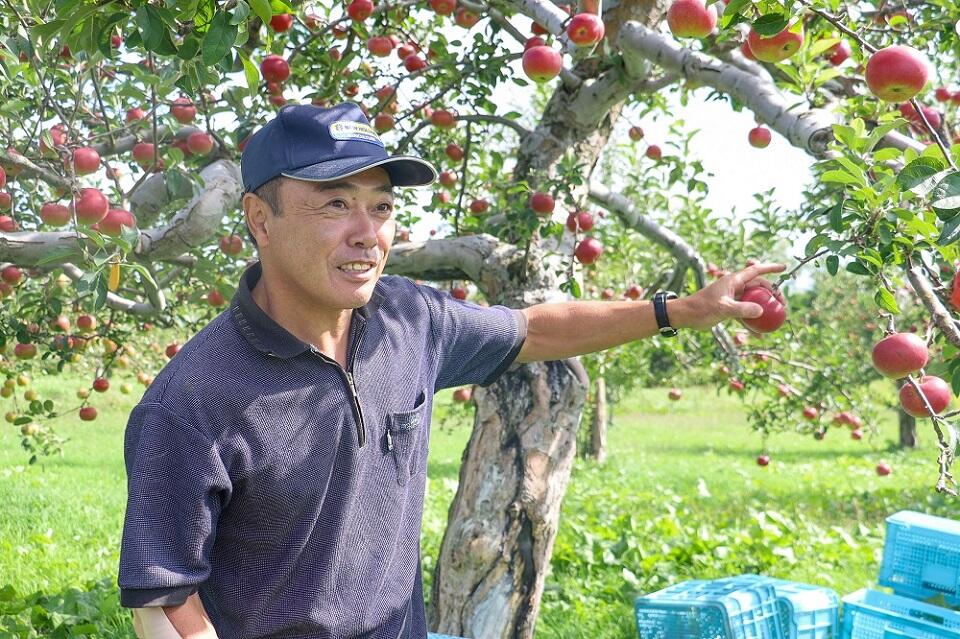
column 404, row 170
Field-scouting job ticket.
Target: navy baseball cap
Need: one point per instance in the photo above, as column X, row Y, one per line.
column 317, row 144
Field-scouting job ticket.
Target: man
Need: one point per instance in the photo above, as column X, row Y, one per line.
column 276, row 466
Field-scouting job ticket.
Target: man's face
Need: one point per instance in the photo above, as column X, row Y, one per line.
column 325, row 231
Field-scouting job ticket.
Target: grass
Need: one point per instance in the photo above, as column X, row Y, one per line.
column 679, row 497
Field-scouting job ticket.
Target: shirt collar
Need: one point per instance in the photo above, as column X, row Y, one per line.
column 263, row 332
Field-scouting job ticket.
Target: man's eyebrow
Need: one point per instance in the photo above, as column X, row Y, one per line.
column 348, row 186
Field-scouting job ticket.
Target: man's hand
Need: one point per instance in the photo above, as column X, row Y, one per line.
column 717, row 302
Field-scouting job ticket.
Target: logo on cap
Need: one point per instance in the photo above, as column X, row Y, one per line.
column 350, row 130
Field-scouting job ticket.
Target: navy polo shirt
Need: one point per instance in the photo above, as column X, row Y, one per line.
column 287, row 490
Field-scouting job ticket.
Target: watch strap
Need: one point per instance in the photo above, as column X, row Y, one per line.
column 660, row 311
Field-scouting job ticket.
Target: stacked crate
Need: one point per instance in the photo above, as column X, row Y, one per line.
column 744, row 607
column 921, row 561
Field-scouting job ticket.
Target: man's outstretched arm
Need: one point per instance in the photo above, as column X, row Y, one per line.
column 557, row 330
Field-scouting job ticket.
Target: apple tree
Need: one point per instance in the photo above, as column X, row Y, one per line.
column 122, row 125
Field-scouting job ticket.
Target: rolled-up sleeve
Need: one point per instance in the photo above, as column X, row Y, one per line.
column 177, row 485
column 475, row 344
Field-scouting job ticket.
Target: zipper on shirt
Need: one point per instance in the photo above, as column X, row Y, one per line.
column 348, row 375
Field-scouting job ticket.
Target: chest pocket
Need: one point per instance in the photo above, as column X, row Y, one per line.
column 405, row 439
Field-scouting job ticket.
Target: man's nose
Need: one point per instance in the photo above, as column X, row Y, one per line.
column 364, row 229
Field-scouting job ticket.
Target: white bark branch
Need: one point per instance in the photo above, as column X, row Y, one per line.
column 810, row 129
column 474, row 257
column 191, row 227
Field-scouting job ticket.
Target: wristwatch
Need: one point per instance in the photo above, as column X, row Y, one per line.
column 660, row 310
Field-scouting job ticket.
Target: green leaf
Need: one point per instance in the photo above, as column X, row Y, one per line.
column 836, row 217
column 48, row 30
column 833, row 264
column 950, row 232
column 219, row 39
column 151, row 27
column 820, row 46
column 240, row 12
column 189, row 47
column 945, row 197
column 917, row 172
column 250, row 73
column 955, row 381
column 841, row 177
column 262, row 9
column 857, row 268
column 879, row 131
column 886, row 301
column 770, row 24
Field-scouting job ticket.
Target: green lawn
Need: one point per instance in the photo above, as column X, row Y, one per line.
column 679, row 497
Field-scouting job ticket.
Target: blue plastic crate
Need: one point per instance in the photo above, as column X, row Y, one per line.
column 869, row 614
column 921, row 556
column 806, row 611
column 720, row 609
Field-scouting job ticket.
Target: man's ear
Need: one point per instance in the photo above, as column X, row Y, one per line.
column 256, row 212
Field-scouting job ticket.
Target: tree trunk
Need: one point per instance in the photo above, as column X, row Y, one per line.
column 598, row 426
column 503, row 520
column 908, row 429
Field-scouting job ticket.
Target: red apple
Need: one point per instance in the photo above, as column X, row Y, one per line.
column 380, row 46
column 215, row 298
column 88, row 413
column 183, row 110
column 736, row 385
column 384, row 122
column 414, row 63
column 113, row 222
column 900, row 354
column 607, row 294
column 11, row 275
column 454, row 152
column 883, row 469
column 783, row 390
column 675, row 394
column 274, row 68
column 458, row 292
column 691, row 18
column 101, row 384
column 462, row 394
column 466, row 18
column 534, row 41
column 763, row 460
column 810, row 413
column 542, row 64
column 25, row 351
column 231, row 244
column 584, row 220
column 934, row 388
column 135, row 114
column 759, row 137
column 635, row 133
column 897, row 73
column 856, row 434
column 633, row 292
column 447, row 179
column 281, row 22
column 588, row 250
column 200, row 143
column 58, row 135
column 6, row 201
column 143, row 153
column 839, row 53
column 90, row 206
column 86, row 160
column 746, row 52
column 61, row 323
column 774, row 309
column 443, row 7
column 86, row 322
column 653, row 152
column 443, row 119
column 585, row 29
column 908, row 112
column 405, row 50
column 942, row 94
column 3, row 177
column 479, row 206
column 775, row 48
column 172, row 349
column 360, row 10
column 542, row 204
